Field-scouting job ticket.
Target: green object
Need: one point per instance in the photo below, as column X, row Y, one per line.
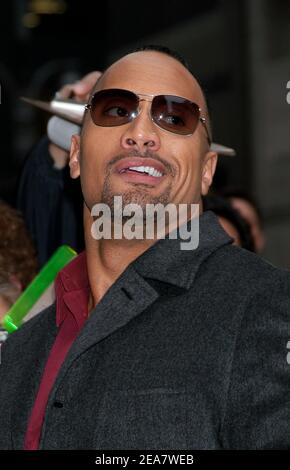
column 14, row 316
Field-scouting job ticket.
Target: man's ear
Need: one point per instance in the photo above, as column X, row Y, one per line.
column 74, row 156
column 208, row 170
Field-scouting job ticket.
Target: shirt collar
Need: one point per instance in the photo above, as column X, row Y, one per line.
column 72, row 291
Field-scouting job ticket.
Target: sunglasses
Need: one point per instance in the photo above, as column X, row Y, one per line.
column 116, row 107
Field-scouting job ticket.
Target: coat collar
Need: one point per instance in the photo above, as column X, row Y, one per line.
column 167, row 262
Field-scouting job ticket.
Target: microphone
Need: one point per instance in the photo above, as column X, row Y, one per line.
column 70, row 110
column 66, row 120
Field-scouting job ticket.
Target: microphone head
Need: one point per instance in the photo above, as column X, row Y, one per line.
column 59, row 132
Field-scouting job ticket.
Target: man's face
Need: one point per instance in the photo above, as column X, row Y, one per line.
column 102, row 154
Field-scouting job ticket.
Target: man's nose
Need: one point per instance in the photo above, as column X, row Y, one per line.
column 141, row 134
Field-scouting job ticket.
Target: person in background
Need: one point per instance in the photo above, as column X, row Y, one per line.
column 231, row 220
column 18, row 263
column 249, row 210
column 9, row 292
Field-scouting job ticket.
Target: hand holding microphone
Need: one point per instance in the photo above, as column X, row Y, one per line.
column 60, row 130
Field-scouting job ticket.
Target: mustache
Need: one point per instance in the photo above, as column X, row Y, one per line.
column 147, row 154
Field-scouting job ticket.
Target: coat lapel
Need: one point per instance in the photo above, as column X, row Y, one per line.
column 128, row 297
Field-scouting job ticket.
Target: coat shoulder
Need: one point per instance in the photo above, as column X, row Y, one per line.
column 42, row 323
column 241, row 268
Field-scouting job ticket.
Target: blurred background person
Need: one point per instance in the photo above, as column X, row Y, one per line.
column 18, row 264
column 248, row 209
column 9, row 291
column 231, row 220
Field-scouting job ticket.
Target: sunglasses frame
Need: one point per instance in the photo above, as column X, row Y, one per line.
column 140, row 97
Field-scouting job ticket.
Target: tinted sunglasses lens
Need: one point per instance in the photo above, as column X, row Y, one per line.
column 175, row 114
column 113, row 107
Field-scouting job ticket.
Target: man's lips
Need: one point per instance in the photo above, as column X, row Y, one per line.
column 128, row 162
column 141, row 170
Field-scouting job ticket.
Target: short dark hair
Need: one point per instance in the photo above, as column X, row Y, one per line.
column 164, row 50
column 156, row 48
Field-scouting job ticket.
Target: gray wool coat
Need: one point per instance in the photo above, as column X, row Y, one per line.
column 187, row 350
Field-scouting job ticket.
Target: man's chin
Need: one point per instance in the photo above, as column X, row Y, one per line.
column 138, row 197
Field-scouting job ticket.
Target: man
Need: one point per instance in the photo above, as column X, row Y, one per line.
column 151, row 346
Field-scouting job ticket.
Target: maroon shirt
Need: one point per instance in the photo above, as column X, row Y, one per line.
column 72, row 296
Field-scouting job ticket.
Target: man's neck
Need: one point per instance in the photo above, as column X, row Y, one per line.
column 107, row 259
